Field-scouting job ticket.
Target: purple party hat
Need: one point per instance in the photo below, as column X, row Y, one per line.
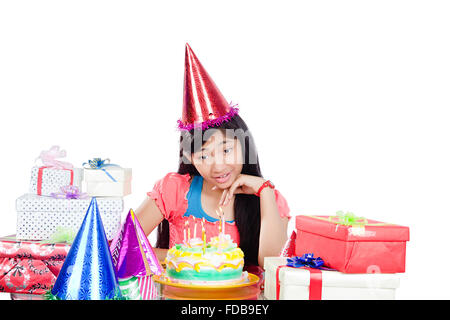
column 131, row 251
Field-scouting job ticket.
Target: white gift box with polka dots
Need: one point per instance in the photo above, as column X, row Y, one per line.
column 53, row 179
column 39, row 216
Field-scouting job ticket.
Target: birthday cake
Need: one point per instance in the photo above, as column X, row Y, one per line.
column 196, row 262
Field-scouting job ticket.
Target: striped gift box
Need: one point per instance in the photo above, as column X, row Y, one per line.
column 138, row 288
column 148, row 288
column 130, row 288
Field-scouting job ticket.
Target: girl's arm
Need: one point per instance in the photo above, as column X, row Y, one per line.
column 150, row 217
column 273, row 232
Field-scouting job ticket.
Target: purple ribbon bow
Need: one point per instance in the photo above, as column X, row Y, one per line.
column 69, row 192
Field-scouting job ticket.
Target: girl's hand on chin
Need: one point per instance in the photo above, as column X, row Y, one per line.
column 244, row 183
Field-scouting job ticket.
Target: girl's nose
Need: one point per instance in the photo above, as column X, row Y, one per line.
column 218, row 165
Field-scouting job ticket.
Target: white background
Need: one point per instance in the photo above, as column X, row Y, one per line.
column 347, row 100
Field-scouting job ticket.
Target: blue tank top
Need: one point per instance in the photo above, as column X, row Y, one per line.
column 194, row 198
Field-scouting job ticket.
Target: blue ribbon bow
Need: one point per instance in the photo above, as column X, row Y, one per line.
column 306, row 260
column 99, row 164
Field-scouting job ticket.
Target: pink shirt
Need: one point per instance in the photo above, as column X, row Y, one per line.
column 170, row 195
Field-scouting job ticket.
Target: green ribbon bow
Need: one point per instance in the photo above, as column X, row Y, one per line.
column 348, row 219
column 61, row 234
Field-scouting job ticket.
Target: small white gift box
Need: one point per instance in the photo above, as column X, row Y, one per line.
column 38, row 216
column 45, row 180
column 294, row 283
column 108, row 182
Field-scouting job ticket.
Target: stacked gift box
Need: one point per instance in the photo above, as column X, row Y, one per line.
column 338, row 257
column 29, row 266
column 50, row 214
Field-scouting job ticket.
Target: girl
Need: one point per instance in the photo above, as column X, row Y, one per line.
column 218, row 172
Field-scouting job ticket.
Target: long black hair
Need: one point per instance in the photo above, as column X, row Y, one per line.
column 247, row 212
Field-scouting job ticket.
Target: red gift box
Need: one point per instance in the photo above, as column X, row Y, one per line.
column 28, row 266
column 375, row 247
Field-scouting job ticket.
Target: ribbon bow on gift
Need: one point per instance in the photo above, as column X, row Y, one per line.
column 348, row 219
column 69, row 192
column 313, row 265
column 99, row 164
column 48, row 158
column 306, row 260
column 61, row 234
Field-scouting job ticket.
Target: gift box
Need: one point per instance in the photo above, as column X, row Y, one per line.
column 138, row 288
column 38, row 217
column 108, row 182
column 366, row 246
column 29, row 267
column 287, row 283
column 48, row 180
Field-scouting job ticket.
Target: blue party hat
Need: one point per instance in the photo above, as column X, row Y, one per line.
column 88, row 271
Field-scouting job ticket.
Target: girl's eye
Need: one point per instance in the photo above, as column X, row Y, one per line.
column 203, row 157
column 228, row 150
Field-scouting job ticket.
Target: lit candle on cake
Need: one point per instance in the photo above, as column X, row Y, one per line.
column 220, row 221
column 195, row 227
column 223, row 220
column 188, row 231
column 203, row 235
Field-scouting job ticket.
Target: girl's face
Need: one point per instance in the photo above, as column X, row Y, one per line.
column 220, row 160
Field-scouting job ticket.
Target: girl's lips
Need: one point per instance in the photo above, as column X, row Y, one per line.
column 223, row 178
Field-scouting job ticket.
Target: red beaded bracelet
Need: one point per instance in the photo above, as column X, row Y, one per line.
column 266, row 184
